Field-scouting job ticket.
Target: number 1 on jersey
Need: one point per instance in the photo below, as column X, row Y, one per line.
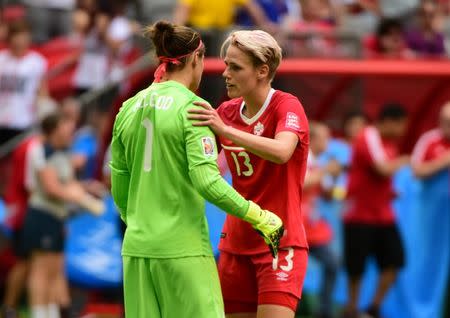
column 148, row 125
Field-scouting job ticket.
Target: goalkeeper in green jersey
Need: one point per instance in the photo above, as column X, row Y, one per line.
column 162, row 170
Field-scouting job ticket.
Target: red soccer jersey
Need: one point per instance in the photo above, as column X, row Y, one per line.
column 369, row 193
column 17, row 188
column 430, row 146
column 274, row 187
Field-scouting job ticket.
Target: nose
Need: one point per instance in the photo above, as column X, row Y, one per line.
column 225, row 73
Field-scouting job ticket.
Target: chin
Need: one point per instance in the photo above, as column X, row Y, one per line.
column 233, row 93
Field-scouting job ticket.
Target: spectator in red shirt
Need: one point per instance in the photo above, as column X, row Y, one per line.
column 370, row 227
column 431, row 154
column 318, row 231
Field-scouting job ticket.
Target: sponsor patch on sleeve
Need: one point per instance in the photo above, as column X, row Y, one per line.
column 292, row 121
column 208, row 146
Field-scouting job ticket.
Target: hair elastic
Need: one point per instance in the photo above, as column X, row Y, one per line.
column 165, row 60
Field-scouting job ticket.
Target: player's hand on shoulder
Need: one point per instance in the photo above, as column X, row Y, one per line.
column 207, row 116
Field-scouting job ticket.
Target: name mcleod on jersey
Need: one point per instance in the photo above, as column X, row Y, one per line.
column 155, row 100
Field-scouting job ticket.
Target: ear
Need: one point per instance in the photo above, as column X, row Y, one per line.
column 196, row 58
column 263, row 71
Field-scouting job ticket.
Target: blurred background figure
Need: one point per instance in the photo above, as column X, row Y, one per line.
column 214, row 19
column 426, row 38
column 431, row 164
column 16, row 202
column 318, row 231
column 431, row 155
column 370, row 228
column 389, row 41
column 22, row 82
column 52, row 187
column 87, row 143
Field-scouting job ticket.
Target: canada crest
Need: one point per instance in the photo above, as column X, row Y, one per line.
column 258, row 129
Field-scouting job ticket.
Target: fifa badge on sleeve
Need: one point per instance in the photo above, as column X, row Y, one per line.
column 208, row 146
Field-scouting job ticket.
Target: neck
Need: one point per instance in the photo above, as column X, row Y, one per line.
column 18, row 52
column 181, row 77
column 255, row 100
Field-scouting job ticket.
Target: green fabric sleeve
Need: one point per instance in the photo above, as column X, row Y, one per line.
column 120, row 176
column 208, row 182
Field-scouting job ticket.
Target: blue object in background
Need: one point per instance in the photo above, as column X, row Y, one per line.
column 85, row 143
column 273, row 9
column 3, row 228
column 93, row 249
column 216, row 219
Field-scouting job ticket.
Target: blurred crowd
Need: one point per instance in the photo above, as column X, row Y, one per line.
column 337, row 28
column 98, row 41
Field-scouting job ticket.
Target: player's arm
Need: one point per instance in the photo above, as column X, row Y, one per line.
column 378, row 157
column 424, row 169
column 278, row 150
column 205, row 176
column 120, row 175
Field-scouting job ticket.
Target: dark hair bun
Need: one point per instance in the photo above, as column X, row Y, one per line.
column 172, row 40
column 164, row 27
column 161, row 34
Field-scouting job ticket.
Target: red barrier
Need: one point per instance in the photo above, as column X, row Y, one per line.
column 351, row 67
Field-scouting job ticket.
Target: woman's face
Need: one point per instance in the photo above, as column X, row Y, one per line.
column 20, row 42
column 241, row 76
column 64, row 133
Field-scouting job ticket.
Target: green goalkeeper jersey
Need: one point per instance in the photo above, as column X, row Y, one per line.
column 154, row 147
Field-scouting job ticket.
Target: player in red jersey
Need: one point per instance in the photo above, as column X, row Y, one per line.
column 16, row 198
column 370, row 227
column 431, row 154
column 264, row 134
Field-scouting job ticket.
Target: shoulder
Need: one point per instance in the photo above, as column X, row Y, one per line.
column 4, row 54
column 36, row 58
column 427, row 140
column 230, row 106
column 430, row 136
column 283, row 101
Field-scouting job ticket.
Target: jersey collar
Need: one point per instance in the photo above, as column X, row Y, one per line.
column 252, row 120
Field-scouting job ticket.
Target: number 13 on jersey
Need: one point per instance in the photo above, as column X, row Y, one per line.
column 242, row 162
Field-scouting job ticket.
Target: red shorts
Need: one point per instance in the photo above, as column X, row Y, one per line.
column 251, row 280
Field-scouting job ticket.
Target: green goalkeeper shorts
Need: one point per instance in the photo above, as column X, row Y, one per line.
column 172, row 288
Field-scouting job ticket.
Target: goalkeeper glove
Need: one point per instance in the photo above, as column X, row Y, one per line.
column 267, row 224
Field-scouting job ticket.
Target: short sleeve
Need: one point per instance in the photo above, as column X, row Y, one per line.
column 200, row 143
column 291, row 117
column 35, row 161
column 374, row 144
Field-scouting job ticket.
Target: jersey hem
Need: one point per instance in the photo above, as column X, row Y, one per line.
column 260, row 250
column 166, row 256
